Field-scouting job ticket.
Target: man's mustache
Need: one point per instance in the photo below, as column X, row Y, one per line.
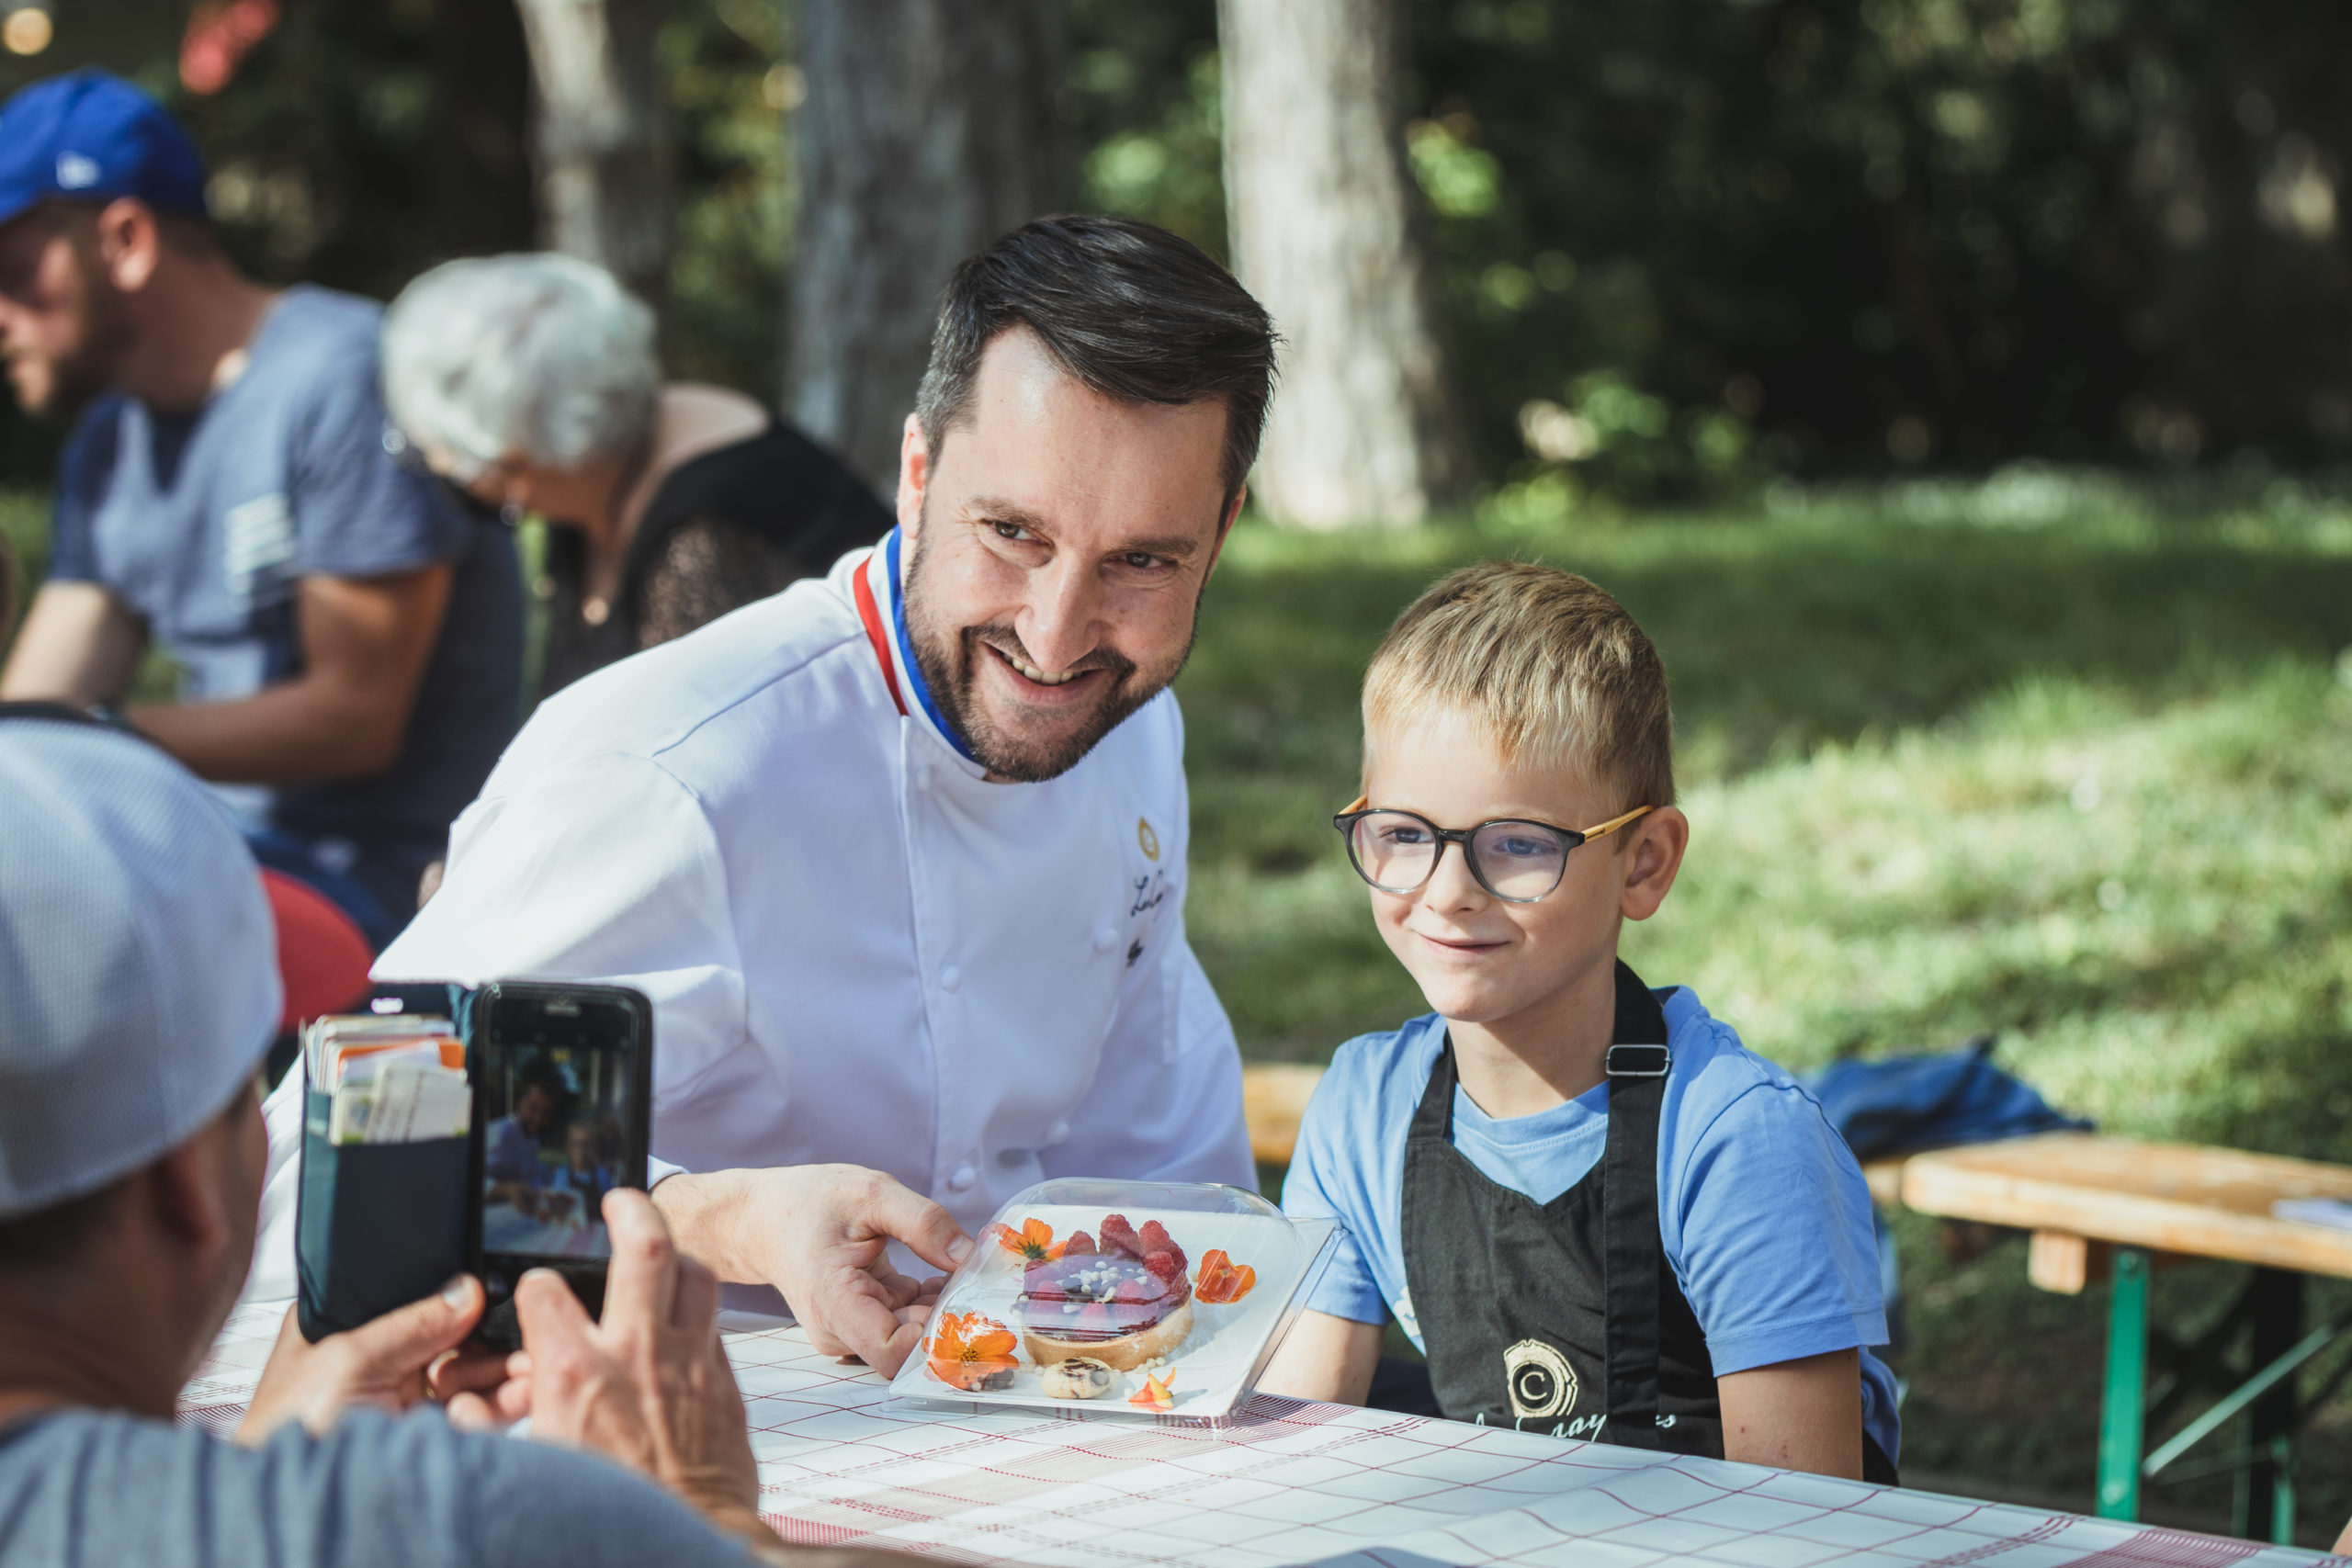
column 1004, row 639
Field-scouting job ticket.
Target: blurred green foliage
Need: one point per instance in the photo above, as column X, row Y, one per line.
column 1835, row 236
column 1685, row 245
column 1140, row 99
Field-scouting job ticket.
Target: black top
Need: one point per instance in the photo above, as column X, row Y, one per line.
column 734, row 524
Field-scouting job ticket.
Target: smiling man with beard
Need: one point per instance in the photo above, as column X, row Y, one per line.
column 899, row 853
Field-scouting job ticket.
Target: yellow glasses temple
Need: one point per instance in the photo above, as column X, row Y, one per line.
column 1608, row 827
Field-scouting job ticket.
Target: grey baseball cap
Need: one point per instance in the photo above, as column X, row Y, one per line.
column 138, row 983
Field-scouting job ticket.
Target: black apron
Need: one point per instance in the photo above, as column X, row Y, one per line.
column 1607, row 1348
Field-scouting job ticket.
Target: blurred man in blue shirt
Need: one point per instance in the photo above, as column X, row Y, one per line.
column 349, row 639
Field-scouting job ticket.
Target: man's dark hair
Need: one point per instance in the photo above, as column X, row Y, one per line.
column 1130, row 310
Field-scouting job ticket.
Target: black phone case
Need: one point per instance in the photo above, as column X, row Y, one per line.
column 499, row 1329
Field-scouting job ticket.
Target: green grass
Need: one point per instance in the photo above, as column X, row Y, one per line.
column 2083, row 782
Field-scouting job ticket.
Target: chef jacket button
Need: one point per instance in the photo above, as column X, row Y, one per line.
column 961, row 1177
column 1057, row 1132
column 950, row 978
column 1105, row 937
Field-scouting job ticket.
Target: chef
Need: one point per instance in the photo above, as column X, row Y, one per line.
column 899, row 853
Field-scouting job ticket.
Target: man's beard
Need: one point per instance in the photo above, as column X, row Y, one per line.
column 87, row 369
column 949, row 660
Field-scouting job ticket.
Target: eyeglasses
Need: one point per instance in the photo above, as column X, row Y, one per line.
column 1517, row 861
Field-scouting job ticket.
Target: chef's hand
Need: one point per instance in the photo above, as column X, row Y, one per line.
column 400, row 1359
column 821, row 1233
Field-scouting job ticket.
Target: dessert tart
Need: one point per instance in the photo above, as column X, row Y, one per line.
column 1123, row 1302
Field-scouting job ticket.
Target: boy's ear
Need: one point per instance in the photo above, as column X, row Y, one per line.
column 1651, row 861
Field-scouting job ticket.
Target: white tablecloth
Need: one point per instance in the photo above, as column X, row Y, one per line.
column 1288, row 1483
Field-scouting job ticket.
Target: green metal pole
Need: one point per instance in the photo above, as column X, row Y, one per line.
column 2283, row 1459
column 2123, row 1409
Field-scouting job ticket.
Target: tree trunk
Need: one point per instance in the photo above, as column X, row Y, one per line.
column 602, row 138
column 929, row 129
column 1325, row 235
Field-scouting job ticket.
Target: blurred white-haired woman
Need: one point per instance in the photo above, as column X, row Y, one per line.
column 530, row 382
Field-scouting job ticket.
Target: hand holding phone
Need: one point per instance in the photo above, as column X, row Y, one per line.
column 647, row 1384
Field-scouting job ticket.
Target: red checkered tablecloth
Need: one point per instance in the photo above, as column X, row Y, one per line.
column 1290, row 1483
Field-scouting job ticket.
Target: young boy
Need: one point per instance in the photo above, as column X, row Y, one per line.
column 1597, row 1213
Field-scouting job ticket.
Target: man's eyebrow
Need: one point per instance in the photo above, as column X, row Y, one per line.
column 990, row 509
column 1176, row 546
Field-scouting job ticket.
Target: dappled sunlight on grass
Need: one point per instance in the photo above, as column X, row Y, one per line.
column 2134, row 900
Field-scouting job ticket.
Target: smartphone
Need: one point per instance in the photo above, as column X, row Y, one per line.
column 563, row 1082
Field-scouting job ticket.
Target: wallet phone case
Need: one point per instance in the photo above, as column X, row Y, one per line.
column 379, row 1225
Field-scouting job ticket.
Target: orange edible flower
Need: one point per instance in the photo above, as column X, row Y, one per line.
column 1222, row 1279
column 1155, row 1394
column 969, row 1349
column 1034, row 1240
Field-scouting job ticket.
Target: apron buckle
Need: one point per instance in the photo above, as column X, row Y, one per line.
column 1637, row 1061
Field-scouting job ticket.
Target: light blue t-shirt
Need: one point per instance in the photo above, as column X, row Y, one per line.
column 87, row 1489
column 1763, row 1211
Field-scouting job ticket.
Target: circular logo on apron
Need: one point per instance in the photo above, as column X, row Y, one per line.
column 1542, row 1382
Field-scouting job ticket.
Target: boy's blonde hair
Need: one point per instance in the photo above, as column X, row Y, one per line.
column 1550, row 665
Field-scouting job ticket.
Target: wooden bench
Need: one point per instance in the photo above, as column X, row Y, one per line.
column 2095, row 1209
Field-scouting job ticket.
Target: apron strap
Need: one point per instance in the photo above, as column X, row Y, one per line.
column 1635, row 1257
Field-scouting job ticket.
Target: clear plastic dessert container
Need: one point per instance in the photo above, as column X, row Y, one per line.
column 1130, row 1298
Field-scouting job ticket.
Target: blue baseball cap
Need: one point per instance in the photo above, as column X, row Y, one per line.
column 91, row 136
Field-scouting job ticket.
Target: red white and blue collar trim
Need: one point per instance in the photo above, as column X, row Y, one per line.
column 894, row 649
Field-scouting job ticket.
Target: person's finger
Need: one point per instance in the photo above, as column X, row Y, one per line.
column 472, row 1413
column 640, row 1285
column 550, row 1316
column 884, row 1207
column 894, row 1351
column 513, row 1399
column 406, row 1339
column 867, row 1327
column 456, row 1372
column 695, row 1308
column 896, row 1288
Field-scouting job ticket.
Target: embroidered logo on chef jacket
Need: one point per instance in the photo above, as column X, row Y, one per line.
column 1542, row 1382
column 1145, row 840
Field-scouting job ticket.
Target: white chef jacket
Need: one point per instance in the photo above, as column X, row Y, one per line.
column 857, row 950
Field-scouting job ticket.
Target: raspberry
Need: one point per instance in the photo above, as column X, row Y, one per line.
column 1156, row 1239
column 1120, row 1237
column 1079, row 1241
